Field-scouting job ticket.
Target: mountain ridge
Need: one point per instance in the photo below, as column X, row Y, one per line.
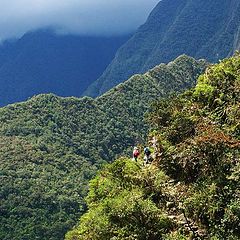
column 189, row 189
column 201, row 29
column 62, row 142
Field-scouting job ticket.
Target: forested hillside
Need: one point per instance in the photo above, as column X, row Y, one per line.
column 51, row 147
column 44, row 62
column 206, row 29
column 192, row 188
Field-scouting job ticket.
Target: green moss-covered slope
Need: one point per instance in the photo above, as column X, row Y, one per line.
column 192, row 188
column 52, row 146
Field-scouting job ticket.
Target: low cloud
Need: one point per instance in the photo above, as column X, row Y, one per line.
column 93, row 17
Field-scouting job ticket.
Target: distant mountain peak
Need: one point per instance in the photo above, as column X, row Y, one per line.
column 45, row 62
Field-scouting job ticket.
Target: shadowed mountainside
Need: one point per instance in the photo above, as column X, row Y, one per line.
column 206, row 29
column 43, row 62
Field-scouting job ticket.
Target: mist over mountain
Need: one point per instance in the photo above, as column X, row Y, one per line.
column 85, row 17
column 206, row 29
column 44, row 62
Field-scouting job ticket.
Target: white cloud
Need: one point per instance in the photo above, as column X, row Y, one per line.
column 73, row 16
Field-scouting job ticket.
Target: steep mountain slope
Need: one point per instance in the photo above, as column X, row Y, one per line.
column 191, row 190
column 43, row 62
column 52, row 146
column 7, row 49
column 202, row 28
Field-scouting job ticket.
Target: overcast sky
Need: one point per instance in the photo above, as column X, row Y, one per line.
column 73, row 16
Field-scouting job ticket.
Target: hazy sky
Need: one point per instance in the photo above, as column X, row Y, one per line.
column 73, row 16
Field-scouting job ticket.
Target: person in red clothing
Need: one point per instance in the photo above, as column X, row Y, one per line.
column 136, row 153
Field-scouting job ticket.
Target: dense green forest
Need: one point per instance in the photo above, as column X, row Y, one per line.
column 51, row 147
column 206, row 29
column 192, row 188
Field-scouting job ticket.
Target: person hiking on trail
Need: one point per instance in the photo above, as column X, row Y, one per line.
column 136, row 153
column 147, row 155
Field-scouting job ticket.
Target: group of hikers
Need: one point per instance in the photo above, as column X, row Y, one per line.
column 147, row 155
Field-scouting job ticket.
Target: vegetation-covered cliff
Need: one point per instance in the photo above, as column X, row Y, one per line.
column 206, row 29
column 192, row 188
column 51, row 147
